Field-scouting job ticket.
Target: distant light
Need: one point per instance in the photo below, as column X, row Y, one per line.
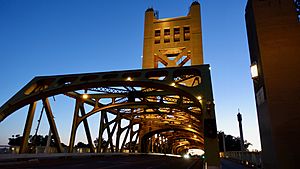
column 85, row 96
column 254, row 71
column 199, row 97
column 129, row 79
column 186, row 156
column 195, row 136
column 189, row 125
column 173, row 84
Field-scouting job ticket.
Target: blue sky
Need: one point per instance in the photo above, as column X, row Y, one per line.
column 49, row 37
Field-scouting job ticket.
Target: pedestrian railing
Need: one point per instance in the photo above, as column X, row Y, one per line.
column 245, row 157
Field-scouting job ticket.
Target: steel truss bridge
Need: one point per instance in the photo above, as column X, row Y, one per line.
column 166, row 110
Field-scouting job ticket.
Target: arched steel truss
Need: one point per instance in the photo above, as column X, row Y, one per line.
column 169, row 106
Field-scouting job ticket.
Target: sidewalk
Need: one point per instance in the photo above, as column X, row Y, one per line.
column 228, row 164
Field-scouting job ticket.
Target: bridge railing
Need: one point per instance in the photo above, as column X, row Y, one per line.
column 245, row 157
column 6, row 149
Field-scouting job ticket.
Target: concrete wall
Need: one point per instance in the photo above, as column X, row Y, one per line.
column 274, row 43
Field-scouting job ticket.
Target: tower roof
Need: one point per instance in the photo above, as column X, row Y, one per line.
column 150, row 9
column 195, row 3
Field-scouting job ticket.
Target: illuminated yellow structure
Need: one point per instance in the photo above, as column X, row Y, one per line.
column 159, row 110
column 177, row 42
column 173, row 42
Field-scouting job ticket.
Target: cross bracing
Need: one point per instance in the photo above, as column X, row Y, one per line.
column 170, row 111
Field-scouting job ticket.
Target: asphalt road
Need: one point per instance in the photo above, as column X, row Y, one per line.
column 110, row 162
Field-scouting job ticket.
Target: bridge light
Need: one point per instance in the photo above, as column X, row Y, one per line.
column 186, row 156
column 254, row 70
column 85, row 96
column 129, row 79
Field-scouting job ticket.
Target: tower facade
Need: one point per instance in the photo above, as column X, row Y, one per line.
column 173, row 42
column 273, row 29
column 177, row 42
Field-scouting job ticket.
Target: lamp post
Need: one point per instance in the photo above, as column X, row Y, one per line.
column 239, row 117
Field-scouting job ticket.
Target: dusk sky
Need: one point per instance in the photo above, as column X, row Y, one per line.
column 52, row 37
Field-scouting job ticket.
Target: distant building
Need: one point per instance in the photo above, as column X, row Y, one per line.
column 273, row 28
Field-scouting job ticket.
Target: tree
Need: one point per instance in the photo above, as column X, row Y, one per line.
column 231, row 143
column 40, row 140
column 36, row 140
column 15, row 140
column 82, row 145
column 103, row 142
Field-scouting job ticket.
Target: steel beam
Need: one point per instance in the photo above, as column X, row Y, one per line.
column 74, row 126
column 87, row 129
column 52, row 125
column 27, row 128
column 126, row 135
column 101, row 128
column 119, row 132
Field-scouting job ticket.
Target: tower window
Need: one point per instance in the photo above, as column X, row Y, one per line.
column 157, row 36
column 297, row 4
column 176, row 34
column 166, row 35
column 186, row 31
column 157, row 33
column 167, row 32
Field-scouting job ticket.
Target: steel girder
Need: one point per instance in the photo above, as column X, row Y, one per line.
column 158, row 100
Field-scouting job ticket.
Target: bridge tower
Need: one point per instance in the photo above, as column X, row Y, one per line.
column 172, row 42
column 177, row 42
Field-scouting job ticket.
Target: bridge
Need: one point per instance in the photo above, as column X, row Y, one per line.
column 172, row 112
column 167, row 107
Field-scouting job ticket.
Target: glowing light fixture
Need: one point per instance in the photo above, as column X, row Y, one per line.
column 199, row 97
column 85, row 96
column 254, row 71
column 195, row 136
column 189, row 125
column 173, row 84
column 129, row 79
column 186, row 156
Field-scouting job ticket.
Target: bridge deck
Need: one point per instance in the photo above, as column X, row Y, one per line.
column 105, row 161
